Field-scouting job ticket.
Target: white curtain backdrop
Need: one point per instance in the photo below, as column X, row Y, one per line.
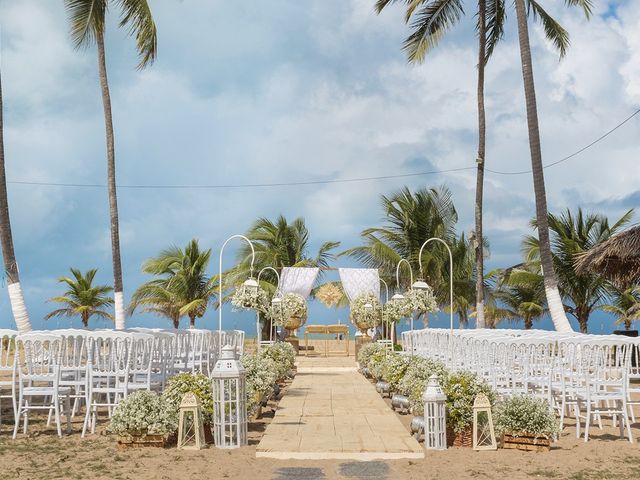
column 298, row 280
column 357, row 281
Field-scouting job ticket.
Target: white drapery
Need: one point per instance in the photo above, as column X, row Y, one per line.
column 298, row 280
column 356, row 281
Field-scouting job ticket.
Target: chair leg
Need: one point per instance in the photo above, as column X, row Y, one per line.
column 25, row 418
column 17, row 417
column 56, row 408
column 625, row 418
column 67, row 412
column 587, row 422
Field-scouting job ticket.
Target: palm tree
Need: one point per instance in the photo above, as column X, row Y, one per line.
column 277, row 244
column 521, row 291
column 462, row 253
column 561, row 41
column 184, row 288
column 430, row 20
column 16, row 298
column 82, row 298
column 572, row 235
column 625, row 305
column 87, row 18
column 410, row 219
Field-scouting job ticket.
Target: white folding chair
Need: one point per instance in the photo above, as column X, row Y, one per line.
column 7, row 371
column 37, row 361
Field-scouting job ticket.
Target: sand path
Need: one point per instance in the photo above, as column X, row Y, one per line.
column 330, row 411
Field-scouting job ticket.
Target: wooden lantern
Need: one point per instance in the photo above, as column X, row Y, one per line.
column 484, row 437
column 190, row 424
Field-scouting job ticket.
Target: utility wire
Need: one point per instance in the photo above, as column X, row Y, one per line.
column 324, row 182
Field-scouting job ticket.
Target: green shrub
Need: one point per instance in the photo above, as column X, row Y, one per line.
column 367, row 351
column 262, row 373
column 394, row 368
column 284, row 356
column 461, row 389
column 415, row 380
column 196, row 383
column 525, row 415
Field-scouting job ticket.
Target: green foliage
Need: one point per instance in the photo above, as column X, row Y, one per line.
column 394, row 369
column 461, row 389
column 196, row 383
column 283, row 355
column 625, row 304
column 262, row 373
column 571, row 235
column 183, row 286
column 144, row 413
column 415, row 380
column 82, row 298
column 87, row 19
column 367, row 351
column 525, row 415
column 248, row 299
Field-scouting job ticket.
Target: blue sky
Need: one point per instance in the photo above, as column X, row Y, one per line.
column 276, row 91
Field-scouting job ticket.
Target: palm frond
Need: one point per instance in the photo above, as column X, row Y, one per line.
column 136, row 14
column 554, row 32
column 87, row 19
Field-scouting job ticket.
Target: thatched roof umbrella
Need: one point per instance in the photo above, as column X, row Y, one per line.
column 617, row 258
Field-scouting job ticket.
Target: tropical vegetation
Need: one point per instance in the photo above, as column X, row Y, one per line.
column 82, row 298
column 520, row 415
column 624, row 304
column 87, row 20
column 182, row 285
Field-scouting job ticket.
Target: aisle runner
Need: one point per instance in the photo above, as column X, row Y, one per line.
column 330, row 411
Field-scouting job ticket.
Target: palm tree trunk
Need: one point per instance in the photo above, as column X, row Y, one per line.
column 528, row 323
column 554, row 301
column 480, row 323
column 192, row 320
column 118, row 294
column 16, row 298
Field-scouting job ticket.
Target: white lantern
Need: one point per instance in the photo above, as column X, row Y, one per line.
column 484, row 437
column 251, row 285
column 397, row 297
column 420, row 285
column 435, row 417
column 229, row 401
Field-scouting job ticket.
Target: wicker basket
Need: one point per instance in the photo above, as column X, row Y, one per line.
column 460, row 439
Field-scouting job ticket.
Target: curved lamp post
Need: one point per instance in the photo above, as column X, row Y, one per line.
column 386, row 299
column 399, row 296
column 250, row 283
column 274, row 301
column 450, row 276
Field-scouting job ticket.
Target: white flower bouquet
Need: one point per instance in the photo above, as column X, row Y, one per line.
column 521, row 415
column 421, row 301
column 395, row 310
column 262, row 374
column 366, row 311
column 196, row 383
column 283, row 355
column 143, row 413
column 248, row 299
column 292, row 305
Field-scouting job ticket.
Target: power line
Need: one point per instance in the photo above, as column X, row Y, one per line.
column 324, row 182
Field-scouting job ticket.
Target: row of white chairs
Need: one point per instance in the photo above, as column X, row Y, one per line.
column 588, row 374
column 68, row 368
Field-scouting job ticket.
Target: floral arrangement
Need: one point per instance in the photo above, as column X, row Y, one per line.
column 363, row 317
column 377, row 363
column 394, row 368
column 196, row 383
column 415, row 380
column 144, row 413
column 248, row 299
column 292, row 305
column 261, row 377
column 461, row 389
column 367, row 351
column 525, row 415
column 283, row 355
column 395, row 310
column 329, row 295
column 421, row 301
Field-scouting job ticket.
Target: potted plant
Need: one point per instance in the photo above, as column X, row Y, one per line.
column 526, row 423
column 365, row 311
column 249, row 299
column 420, row 302
column 143, row 419
column 291, row 313
column 284, row 356
column 461, row 389
column 200, row 386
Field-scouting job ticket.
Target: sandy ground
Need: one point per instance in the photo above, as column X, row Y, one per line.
column 41, row 454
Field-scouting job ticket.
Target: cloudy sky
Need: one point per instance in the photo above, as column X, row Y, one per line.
column 278, row 91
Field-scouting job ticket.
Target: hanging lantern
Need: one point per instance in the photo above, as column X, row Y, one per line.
column 229, row 401
column 484, row 437
column 435, row 417
column 250, row 285
column 398, row 297
column 190, row 424
column 420, row 285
